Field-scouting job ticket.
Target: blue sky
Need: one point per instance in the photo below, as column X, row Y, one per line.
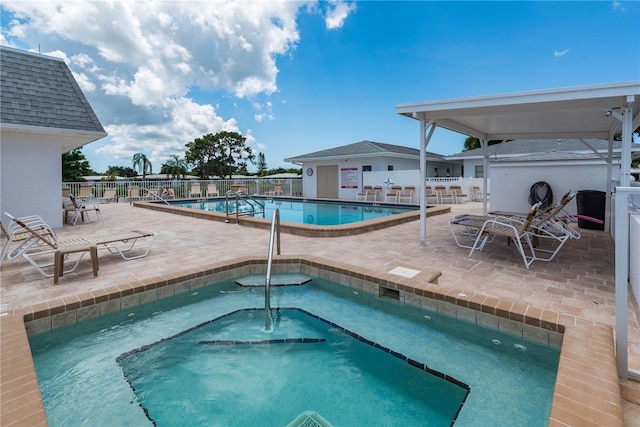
column 298, row 77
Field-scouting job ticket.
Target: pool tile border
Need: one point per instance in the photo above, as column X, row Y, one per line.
column 587, row 390
column 307, row 230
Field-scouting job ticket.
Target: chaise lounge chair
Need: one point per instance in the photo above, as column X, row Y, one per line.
column 40, row 242
column 546, row 229
column 16, row 234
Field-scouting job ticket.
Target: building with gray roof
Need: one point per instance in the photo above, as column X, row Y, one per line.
column 340, row 171
column 43, row 114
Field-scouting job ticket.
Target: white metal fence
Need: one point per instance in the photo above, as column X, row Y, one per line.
column 184, row 188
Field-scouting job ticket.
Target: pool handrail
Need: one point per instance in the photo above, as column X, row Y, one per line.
column 274, row 234
column 240, row 195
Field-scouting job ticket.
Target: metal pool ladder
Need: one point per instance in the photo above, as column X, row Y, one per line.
column 274, row 235
column 255, row 207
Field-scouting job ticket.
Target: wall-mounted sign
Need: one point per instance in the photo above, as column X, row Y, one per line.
column 349, row 178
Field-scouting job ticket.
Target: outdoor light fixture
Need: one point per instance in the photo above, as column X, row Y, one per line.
column 608, row 113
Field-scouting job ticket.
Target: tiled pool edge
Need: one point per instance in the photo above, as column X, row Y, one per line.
column 586, row 392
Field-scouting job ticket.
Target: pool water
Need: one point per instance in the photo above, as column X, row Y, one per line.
column 193, row 360
column 231, row 373
column 304, row 212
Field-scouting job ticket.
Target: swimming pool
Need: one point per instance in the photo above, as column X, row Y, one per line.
column 351, row 218
column 302, row 211
column 81, row 375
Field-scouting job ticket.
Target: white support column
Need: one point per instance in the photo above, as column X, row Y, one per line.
column 607, row 202
column 424, row 141
column 625, row 115
column 622, row 278
column 485, row 156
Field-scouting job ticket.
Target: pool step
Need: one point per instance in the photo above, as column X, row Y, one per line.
column 288, row 279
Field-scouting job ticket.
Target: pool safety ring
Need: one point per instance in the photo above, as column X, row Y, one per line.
column 541, row 192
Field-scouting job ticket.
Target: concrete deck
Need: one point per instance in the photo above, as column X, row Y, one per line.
column 578, row 283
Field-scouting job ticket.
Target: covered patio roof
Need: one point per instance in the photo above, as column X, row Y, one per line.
column 608, row 111
column 575, row 112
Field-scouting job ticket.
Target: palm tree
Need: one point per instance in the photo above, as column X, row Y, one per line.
column 141, row 163
column 175, row 167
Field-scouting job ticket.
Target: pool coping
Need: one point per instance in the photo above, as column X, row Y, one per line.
column 307, row 230
column 586, row 392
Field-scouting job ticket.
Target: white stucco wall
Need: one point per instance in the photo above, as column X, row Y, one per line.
column 30, row 176
column 634, row 254
column 378, row 164
column 511, row 182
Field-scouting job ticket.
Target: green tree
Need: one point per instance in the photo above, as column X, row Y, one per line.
column 223, row 152
column 75, row 166
column 175, row 167
column 471, row 143
column 142, row 164
column 122, row 171
column 262, row 164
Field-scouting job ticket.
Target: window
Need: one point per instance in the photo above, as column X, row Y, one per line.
column 366, row 168
column 389, row 167
column 479, row 171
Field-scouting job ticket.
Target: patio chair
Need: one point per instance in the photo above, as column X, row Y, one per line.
column 377, row 192
column 407, row 194
column 79, row 210
column 458, row 195
column 43, row 242
column 212, row 190
column 443, row 194
column 133, row 193
column 153, row 193
column 478, row 194
column 276, row 190
column 364, row 194
column 168, row 193
column 431, row 196
column 195, row 190
column 86, row 192
column 110, row 195
column 392, row 195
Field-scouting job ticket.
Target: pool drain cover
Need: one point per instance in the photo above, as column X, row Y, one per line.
column 309, row 419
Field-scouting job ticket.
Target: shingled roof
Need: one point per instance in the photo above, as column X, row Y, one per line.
column 40, row 91
column 364, row 149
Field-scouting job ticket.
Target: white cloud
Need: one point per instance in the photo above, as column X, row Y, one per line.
column 138, row 61
column 337, row 13
column 84, row 82
column 560, row 52
column 187, row 121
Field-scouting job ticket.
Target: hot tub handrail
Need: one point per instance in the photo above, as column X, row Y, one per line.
column 274, row 235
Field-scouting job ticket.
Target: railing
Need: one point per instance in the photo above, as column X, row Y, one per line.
column 275, row 234
column 239, row 196
column 181, row 188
